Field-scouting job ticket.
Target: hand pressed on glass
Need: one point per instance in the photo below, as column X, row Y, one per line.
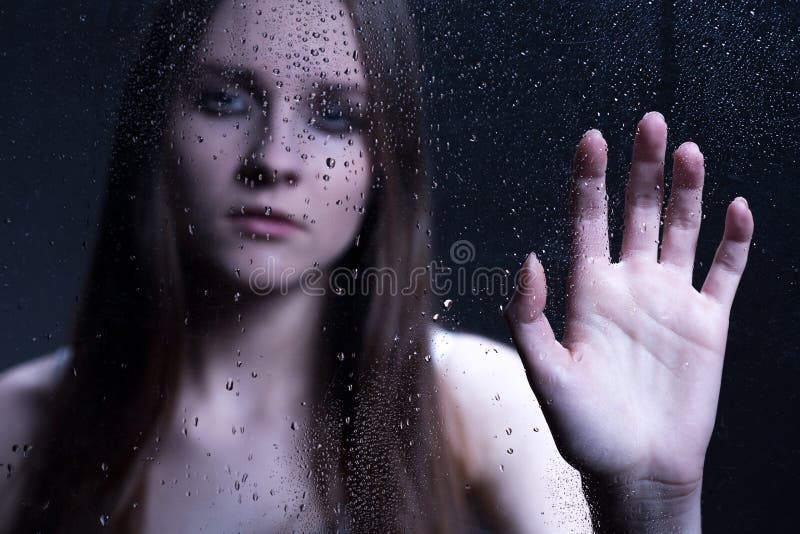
column 631, row 392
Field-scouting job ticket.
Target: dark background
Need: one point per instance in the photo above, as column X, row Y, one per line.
column 510, row 88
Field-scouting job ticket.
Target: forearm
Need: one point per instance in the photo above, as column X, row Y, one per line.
column 643, row 507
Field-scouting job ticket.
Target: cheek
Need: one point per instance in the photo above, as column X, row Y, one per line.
column 339, row 199
column 346, row 185
column 204, row 159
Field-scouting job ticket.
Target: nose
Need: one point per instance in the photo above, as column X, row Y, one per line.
column 272, row 159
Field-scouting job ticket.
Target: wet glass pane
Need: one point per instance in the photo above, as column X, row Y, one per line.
column 259, row 258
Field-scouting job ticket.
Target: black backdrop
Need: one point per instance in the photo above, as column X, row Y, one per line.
column 510, row 87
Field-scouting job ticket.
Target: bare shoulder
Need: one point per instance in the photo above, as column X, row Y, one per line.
column 483, row 385
column 36, row 375
column 496, row 428
column 468, row 361
column 25, row 390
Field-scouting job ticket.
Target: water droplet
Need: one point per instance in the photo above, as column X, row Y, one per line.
column 326, row 177
column 104, row 466
column 104, row 519
column 447, row 304
column 294, row 425
column 229, row 384
column 508, row 431
column 330, row 162
column 340, row 356
column 510, row 450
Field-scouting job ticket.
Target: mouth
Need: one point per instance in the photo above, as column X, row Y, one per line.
column 264, row 223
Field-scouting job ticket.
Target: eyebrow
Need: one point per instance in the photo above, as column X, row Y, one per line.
column 344, row 87
column 247, row 78
column 230, row 73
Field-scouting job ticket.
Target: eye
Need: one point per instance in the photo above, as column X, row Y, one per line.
column 333, row 116
column 221, row 102
column 337, row 118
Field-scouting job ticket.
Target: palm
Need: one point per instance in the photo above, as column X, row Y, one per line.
column 650, row 368
column 632, row 390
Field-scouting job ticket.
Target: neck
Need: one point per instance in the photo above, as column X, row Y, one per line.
column 255, row 355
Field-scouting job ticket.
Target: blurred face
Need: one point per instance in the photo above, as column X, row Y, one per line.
column 268, row 149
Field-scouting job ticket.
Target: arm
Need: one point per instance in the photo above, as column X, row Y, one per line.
column 631, row 392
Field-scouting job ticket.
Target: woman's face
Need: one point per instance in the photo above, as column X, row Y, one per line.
column 269, row 150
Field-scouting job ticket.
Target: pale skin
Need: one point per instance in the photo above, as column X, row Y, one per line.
column 628, row 398
column 631, row 392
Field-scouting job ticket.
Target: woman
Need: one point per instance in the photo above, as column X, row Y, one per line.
column 209, row 386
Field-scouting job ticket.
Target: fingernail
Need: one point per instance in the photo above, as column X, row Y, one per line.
column 528, row 263
column 653, row 113
column 743, row 201
column 524, row 281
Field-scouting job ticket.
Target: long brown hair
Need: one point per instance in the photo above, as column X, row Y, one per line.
column 382, row 433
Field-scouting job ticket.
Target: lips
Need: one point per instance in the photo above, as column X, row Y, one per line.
column 264, row 223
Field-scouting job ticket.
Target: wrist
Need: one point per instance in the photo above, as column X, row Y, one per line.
column 643, row 506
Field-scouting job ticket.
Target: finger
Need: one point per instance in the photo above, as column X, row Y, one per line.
column 645, row 189
column 589, row 204
column 530, row 329
column 731, row 257
column 682, row 223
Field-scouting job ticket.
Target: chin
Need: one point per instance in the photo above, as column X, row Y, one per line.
column 260, row 268
column 269, row 273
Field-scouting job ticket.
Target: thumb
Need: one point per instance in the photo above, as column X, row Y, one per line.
column 531, row 331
